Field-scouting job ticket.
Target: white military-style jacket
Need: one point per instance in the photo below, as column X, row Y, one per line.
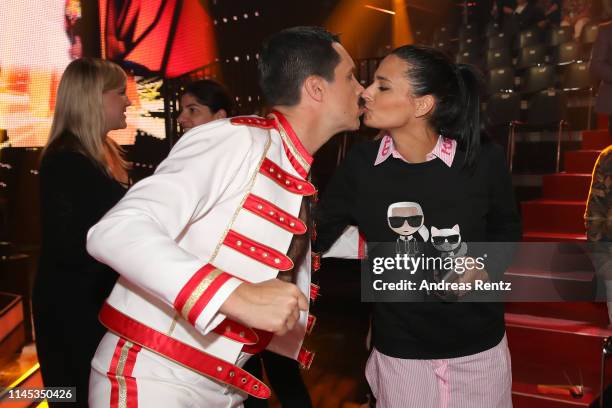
column 220, row 210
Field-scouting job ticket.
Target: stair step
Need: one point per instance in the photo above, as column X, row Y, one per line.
column 11, row 313
column 596, row 139
column 545, row 236
column 22, row 372
column 30, row 379
column 566, row 186
column 12, row 327
column 528, row 396
column 553, row 256
column 580, row 161
column 554, row 216
column 593, row 312
column 537, row 285
column 578, row 328
column 545, row 350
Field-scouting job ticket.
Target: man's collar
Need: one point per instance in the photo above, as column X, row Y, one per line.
column 293, row 145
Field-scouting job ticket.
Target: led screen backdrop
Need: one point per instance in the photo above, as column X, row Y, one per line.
column 38, row 40
column 151, row 39
column 167, row 37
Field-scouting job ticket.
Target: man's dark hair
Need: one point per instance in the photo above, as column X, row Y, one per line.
column 289, row 57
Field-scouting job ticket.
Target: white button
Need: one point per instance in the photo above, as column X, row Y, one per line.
column 265, row 254
column 300, row 187
column 219, row 368
column 260, row 207
column 276, row 260
column 271, row 213
column 292, row 224
column 281, row 219
column 287, row 182
column 232, row 374
column 238, row 243
column 271, row 169
column 252, row 249
column 279, row 175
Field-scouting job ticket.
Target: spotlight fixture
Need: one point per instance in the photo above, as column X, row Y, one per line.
column 382, row 10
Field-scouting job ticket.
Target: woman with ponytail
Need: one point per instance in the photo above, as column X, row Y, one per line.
column 82, row 175
column 430, row 187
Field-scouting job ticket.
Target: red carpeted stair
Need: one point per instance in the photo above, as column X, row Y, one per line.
column 566, row 186
column 550, row 341
column 580, row 161
column 558, row 215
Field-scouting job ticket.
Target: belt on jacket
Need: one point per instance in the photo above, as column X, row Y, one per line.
column 181, row 353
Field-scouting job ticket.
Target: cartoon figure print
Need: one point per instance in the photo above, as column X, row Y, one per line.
column 406, row 219
column 448, row 241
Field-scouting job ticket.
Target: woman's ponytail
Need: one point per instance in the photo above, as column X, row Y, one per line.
column 469, row 85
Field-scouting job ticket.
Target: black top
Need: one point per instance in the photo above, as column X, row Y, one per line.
column 480, row 202
column 75, row 193
column 71, row 286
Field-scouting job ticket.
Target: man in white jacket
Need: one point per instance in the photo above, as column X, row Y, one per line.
column 199, row 244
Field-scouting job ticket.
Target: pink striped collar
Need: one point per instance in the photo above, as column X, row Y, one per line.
column 444, row 150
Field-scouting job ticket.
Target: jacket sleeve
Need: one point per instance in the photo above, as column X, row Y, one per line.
column 597, row 218
column 334, row 219
column 601, row 66
column 138, row 237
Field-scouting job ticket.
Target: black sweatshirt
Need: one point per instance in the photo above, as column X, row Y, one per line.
column 480, row 201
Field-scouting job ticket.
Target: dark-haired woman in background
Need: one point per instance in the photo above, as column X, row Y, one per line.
column 429, row 172
column 202, row 102
column 82, row 175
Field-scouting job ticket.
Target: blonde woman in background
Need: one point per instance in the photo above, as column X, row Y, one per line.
column 82, row 175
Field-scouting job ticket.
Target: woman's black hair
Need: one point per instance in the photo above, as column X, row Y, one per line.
column 211, row 94
column 456, row 89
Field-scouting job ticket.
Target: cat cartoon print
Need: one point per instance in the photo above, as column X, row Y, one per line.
column 448, row 241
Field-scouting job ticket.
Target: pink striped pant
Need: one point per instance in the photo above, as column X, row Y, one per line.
column 482, row 380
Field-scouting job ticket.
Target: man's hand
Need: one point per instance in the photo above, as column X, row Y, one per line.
column 272, row 305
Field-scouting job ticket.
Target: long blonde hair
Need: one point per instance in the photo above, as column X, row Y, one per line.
column 79, row 111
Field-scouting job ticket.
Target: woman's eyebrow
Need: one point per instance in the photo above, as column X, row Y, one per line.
column 382, row 78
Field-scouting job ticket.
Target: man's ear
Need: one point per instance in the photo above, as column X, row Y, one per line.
column 423, row 105
column 314, row 87
column 220, row 114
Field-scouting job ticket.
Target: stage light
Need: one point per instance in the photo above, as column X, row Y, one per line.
column 402, row 34
column 382, row 10
column 349, row 19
